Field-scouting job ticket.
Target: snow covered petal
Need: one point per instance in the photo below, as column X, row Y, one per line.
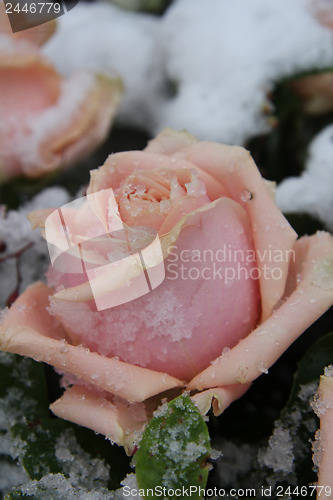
column 118, row 420
column 309, row 293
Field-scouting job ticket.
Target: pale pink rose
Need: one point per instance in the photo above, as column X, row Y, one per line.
column 47, row 122
column 209, row 335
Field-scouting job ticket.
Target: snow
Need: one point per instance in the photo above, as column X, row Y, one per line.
column 204, row 66
column 279, row 454
column 312, row 192
column 16, row 234
column 106, row 39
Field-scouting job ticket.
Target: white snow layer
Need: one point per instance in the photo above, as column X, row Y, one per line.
column 312, row 192
column 204, row 66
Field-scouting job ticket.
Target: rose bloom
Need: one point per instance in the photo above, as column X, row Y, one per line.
column 47, row 122
column 216, row 322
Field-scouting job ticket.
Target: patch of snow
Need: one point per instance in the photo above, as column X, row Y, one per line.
column 207, row 66
column 59, row 487
column 279, row 454
column 16, row 234
column 83, row 470
column 312, row 192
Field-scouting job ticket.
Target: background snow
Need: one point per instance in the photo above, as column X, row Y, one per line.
column 207, row 67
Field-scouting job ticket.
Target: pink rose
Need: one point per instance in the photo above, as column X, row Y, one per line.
column 47, row 122
column 239, row 289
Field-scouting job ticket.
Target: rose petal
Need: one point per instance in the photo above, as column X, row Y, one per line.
column 117, row 420
column 37, row 35
column 218, row 398
column 259, row 350
column 29, row 330
column 235, row 169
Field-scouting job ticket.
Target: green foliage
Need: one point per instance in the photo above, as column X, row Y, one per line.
column 174, row 449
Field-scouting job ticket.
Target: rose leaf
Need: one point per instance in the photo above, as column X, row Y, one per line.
column 174, row 450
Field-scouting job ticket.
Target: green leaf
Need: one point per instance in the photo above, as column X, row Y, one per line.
column 174, row 450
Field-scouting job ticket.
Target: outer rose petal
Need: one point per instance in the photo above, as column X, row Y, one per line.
column 234, row 167
column 325, row 441
column 30, row 331
column 312, row 296
column 46, row 122
column 118, row 421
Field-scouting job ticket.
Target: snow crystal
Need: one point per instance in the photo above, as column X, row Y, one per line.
column 307, row 392
column 131, row 483
column 279, row 454
column 312, row 192
column 204, row 66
